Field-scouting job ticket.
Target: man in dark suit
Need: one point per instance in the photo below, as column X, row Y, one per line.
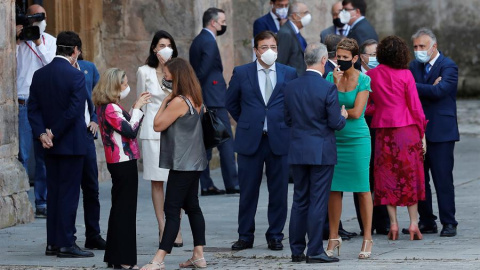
column 273, row 19
column 89, row 184
column 291, row 43
column 338, row 28
column 436, row 78
column 331, row 42
column 354, row 15
column 57, row 115
column 207, row 63
column 255, row 101
column 313, row 113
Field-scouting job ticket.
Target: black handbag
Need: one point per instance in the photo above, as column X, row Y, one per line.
column 214, row 131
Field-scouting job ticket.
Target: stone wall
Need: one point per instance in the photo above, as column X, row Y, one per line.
column 15, row 208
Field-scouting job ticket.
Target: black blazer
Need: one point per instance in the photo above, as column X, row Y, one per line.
column 290, row 51
column 207, row 63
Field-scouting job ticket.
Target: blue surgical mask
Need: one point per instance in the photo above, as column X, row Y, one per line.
column 422, row 56
column 372, row 62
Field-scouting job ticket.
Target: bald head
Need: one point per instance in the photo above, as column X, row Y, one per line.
column 34, row 9
column 336, row 8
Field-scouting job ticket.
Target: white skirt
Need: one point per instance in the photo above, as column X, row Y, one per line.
column 151, row 160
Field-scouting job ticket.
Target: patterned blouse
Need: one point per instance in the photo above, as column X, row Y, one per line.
column 119, row 131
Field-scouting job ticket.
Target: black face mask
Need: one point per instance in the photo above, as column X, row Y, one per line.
column 167, row 83
column 344, row 64
column 338, row 23
column 222, row 31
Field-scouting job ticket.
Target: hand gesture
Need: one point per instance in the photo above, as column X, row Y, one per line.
column 337, row 74
column 93, row 127
column 142, row 100
column 46, row 139
column 344, row 112
column 437, row 80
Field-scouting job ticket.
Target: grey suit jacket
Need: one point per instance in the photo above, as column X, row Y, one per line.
column 328, row 31
column 290, row 51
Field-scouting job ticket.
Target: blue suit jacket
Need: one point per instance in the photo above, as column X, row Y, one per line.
column 264, row 23
column 362, row 31
column 328, row 68
column 207, row 63
column 439, row 101
column 91, row 79
column 313, row 112
column 57, row 101
column 246, row 105
column 327, row 31
column 290, row 50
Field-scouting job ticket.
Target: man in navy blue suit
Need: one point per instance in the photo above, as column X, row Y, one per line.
column 313, row 113
column 273, row 19
column 57, row 115
column 255, row 101
column 207, row 63
column 437, row 78
column 89, row 185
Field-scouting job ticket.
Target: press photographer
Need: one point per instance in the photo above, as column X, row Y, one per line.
column 30, row 26
column 31, row 56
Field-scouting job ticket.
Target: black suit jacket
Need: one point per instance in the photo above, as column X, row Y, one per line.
column 362, row 31
column 207, row 63
column 290, row 51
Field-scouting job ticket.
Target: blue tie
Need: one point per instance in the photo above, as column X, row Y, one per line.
column 427, row 70
column 303, row 42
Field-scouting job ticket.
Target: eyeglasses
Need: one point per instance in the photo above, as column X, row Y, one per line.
column 349, row 9
column 266, row 47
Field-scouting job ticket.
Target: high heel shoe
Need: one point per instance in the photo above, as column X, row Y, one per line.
column 365, row 254
column 415, row 233
column 331, row 251
column 393, row 233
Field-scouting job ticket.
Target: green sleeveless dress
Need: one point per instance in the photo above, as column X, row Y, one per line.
column 353, row 145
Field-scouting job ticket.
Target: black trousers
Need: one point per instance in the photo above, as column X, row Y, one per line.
column 182, row 192
column 121, row 234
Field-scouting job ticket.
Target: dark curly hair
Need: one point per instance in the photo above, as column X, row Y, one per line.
column 393, row 52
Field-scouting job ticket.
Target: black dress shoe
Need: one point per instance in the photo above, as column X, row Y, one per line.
column 424, row 229
column 383, row 231
column 322, row 258
column 96, row 242
column 73, row 252
column 212, row 191
column 178, row 244
column 241, row 245
column 232, row 190
column 343, row 232
column 448, row 230
column 51, row 250
column 41, row 213
column 298, row 258
column 275, row 244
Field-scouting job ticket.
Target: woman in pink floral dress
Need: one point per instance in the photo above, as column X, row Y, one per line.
column 400, row 135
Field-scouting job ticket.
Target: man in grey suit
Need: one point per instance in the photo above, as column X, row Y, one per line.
column 291, row 44
column 338, row 28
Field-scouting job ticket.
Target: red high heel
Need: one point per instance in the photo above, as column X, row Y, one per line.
column 415, row 233
column 393, row 233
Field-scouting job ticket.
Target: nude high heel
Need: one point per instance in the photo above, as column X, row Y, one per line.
column 415, row 233
column 393, row 233
column 363, row 253
column 331, row 251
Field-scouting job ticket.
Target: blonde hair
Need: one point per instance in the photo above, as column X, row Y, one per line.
column 108, row 87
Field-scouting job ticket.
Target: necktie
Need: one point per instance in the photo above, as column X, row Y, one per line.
column 268, row 85
column 427, row 70
column 303, row 42
column 340, row 31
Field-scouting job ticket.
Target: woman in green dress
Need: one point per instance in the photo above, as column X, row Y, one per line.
column 353, row 147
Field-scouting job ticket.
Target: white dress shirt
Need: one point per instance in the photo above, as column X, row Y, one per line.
column 275, row 19
column 30, row 58
column 261, row 83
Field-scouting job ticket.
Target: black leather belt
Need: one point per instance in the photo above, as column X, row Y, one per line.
column 265, row 133
column 22, row 101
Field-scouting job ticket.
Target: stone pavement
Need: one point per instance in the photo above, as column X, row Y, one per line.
column 22, row 247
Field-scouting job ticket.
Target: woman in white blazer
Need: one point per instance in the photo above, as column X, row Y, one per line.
column 150, row 79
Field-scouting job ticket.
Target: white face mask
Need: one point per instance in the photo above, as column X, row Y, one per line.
column 125, row 92
column 269, row 57
column 42, row 25
column 282, row 12
column 345, row 16
column 165, row 53
column 422, row 56
column 306, row 19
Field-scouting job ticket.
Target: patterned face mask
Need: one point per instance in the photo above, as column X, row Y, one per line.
column 167, row 84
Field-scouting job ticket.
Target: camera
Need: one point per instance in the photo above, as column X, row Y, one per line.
column 29, row 31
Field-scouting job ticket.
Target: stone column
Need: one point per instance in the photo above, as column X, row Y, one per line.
column 15, row 208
